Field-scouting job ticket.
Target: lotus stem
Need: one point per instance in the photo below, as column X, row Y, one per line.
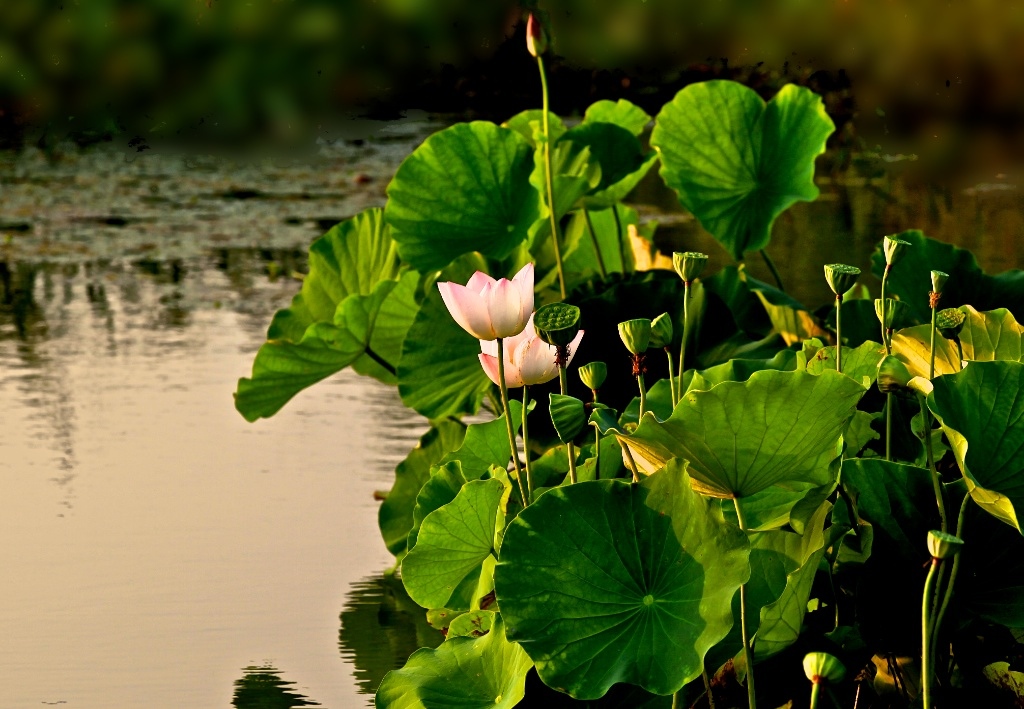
column 936, row 480
column 947, row 597
column 885, row 340
column 526, row 444
column 682, row 341
column 547, row 176
column 775, row 271
column 839, row 332
column 597, row 247
column 618, row 231
column 888, row 426
column 508, row 422
column 960, row 353
column 926, row 668
column 632, row 463
column 570, row 448
column 671, row 377
column 815, row 692
column 748, row 650
column 931, row 357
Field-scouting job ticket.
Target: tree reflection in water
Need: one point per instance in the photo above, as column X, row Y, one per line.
column 263, row 688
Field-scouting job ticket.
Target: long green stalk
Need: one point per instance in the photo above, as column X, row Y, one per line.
column 508, row 422
column 593, row 240
column 937, row 624
column 618, row 231
column 682, row 342
column 526, row 443
column 839, row 332
column 926, row 664
column 547, row 176
column 570, row 448
column 672, row 377
column 775, row 271
column 632, row 463
column 748, row 650
column 815, row 692
column 927, row 416
column 888, row 351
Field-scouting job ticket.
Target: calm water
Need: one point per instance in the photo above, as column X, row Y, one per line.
column 157, row 550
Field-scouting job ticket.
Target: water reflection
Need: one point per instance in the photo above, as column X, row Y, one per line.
column 263, row 688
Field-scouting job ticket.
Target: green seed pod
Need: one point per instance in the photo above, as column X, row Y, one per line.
column 950, row 322
column 938, row 280
column 942, row 545
column 689, row 264
column 895, row 315
column 661, row 331
column 636, row 335
column 893, row 249
column 557, row 323
column 841, row 277
column 820, row 666
column 593, row 374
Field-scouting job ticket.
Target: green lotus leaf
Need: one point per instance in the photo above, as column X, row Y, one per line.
column 912, row 346
column 859, row 363
column 612, row 238
column 992, row 335
column 486, row 444
column 574, row 172
column 620, row 155
column 569, row 416
column 740, row 370
column 860, row 433
column 606, row 581
column 466, row 188
column 982, row 414
column 471, row 624
column 441, row 488
column 395, row 516
column 792, row 324
column 659, row 401
column 769, row 509
column 738, row 163
column 622, row 113
column 776, row 428
column 860, row 324
column 488, row 672
column 530, row 124
column 910, row 279
column 446, row 567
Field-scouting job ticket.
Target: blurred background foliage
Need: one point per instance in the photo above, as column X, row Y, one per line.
column 940, row 79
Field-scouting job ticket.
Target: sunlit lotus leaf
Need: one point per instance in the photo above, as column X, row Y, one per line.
column 395, row 516
column 620, row 156
column 740, row 370
column 466, row 188
column 768, row 509
column 859, row 363
column 793, row 324
column 568, row 415
column 529, row 124
column 471, row 624
column 982, row 414
column 912, row 346
column 441, row 488
column 486, row 444
column 776, row 428
column 488, row 672
column 910, row 279
column 659, row 400
column 992, row 335
column 738, row 163
column 622, row 113
column 444, row 569
column 592, row 610
column 859, row 433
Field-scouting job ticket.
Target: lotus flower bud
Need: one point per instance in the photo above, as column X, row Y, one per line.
column 820, row 666
column 938, row 280
column 895, row 313
column 893, row 249
column 942, row 545
column 636, row 335
column 841, row 277
column 950, row 322
column 661, row 331
column 593, row 374
column 689, row 264
column 557, row 323
column 536, row 37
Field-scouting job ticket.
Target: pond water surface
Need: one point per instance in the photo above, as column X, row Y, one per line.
column 159, row 551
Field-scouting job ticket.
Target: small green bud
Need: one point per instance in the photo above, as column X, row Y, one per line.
column 950, row 322
column 895, row 313
column 820, row 666
column 893, row 249
column 841, row 277
column 689, row 264
column 938, row 280
column 536, row 37
column 942, row 545
column 557, row 323
column 636, row 335
column 661, row 331
column 593, row 374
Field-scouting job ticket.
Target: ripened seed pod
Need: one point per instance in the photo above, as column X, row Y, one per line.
column 820, row 666
column 895, row 315
column 942, row 545
column 536, row 37
column 593, row 374
column 841, row 277
column 950, row 322
column 689, row 264
column 661, row 331
column 938, row 281
column 636, row 335
column 893, row 249
column 557, row 323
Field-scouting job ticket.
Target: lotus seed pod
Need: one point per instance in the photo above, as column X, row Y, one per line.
column 893, row 249
column 593, row 374
column 938, row 280
column 820, row 666
column 636, row 335
column 661, row 331
column 841, row 277
column 557, row 323
column 942, row 545
column 536, row 37
column 895, row 315
column 950, row 322
column 689, row 264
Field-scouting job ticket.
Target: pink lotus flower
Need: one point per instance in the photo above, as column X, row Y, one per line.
column 488, row 309
column 528, row 359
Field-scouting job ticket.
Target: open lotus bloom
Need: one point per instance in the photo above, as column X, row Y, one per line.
column 528, row 359
column 487, row 308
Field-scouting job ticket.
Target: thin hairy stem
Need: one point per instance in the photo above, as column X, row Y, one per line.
column 748, row 649
column 775, row 271
column 508, row 421
column 671, row 377
column 682, row 342
column 526, row 443
column 926, row 665
column 570, row 448
column 593, row 240
column 618, row 231
column 549, row 181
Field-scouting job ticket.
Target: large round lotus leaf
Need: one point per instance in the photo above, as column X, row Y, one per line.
column 488, row 672
column 622, row 113
column 620, row 155
column 982, row 414
column 738, row 163
column 606, row 581
column 466, row 188
column 776, row 428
